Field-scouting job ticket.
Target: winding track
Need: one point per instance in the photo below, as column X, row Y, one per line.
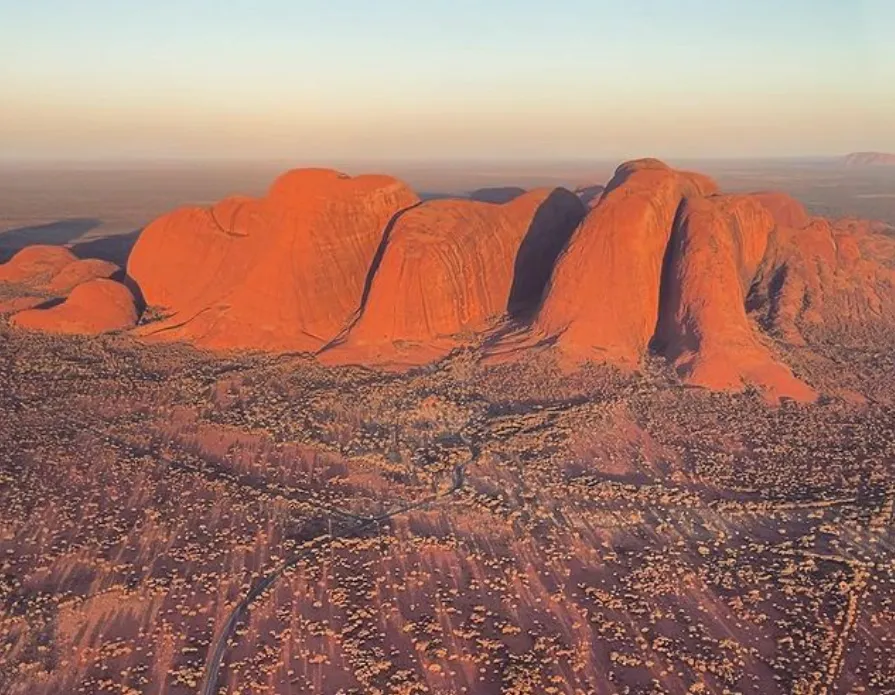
column 215, row 660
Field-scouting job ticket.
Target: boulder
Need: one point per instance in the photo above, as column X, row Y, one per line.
column 94, row 307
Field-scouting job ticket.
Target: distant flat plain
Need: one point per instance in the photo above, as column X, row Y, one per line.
column 78, row 202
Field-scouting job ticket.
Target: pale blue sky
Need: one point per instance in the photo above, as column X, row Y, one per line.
column 375, row 79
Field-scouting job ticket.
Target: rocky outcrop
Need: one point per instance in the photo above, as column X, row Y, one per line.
column 358, row 270
column 53, row 269
column 36, row 265
column 81, row 271
column 94, row 307
column 39, row 274
column 786, row 210
column 280, row 273
column 827, row 281
column 715, row 249
column 602, row 301
column 450, row 268
column 21, row 303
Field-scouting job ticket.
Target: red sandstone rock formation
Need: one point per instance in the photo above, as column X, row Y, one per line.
column 41, row 273
column 17, row 304
column 78, row 272
column 450, row 268
column 36, row 265
column 94, row 307
column 827, row 281
column 714, row 252
column 602, row 301
column 280, row 273
column 357, row 268
column 786, row 210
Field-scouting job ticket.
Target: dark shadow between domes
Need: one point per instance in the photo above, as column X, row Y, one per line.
column 371, row 274
column 497, row 194
column 590, row 194
column 56, row 233
column 115, row 248
column 548, row 234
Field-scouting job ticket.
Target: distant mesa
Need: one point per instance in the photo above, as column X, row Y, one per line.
column 94, row 307
column 357, row 270
column 450, row 268
column 864, row 159
column 281, row 273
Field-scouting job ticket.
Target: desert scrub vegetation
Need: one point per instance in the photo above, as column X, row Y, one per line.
column 617, row 532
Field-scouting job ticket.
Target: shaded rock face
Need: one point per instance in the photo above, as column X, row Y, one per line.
column 714, row 251
column 450, row 268
column 590, row 195
column 94, row 307
column 281, row 273
column 501, row 194
column 602, row 301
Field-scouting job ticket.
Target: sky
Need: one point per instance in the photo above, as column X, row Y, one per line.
column 359, row 80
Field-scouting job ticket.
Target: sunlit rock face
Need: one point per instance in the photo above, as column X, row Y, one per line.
column 715, row 249
column 450, row 268
column 36, row 265
column 281, row 273
column 94, row 307
column 827, row 281
column 602, row 301
column 359, row 271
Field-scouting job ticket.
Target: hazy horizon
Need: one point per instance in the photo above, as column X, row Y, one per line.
column 337, row 81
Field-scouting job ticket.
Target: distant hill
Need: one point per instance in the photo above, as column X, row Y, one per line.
column 864, row 159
